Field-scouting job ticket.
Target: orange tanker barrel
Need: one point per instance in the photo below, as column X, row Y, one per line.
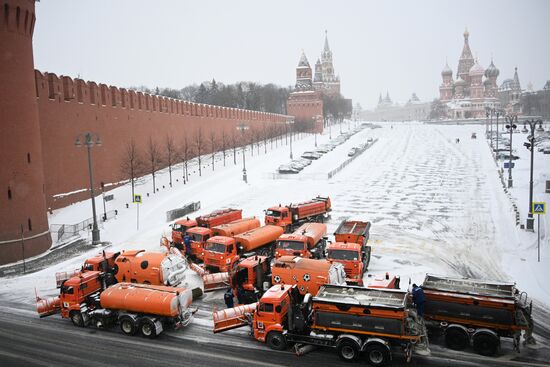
column 236, row 227
column 140, row 266
column 314, row 232
column 219, row 217
column 258, row 237
column 148, row 299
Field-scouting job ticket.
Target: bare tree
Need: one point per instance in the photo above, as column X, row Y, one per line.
column 213, row 141
column 155, row 160
column 185, row 154
column 225, row 142
column 170, row 154
column 234, row 143
column 132, row 163
column 257, row 137
column 265, row 135
column 198, row 143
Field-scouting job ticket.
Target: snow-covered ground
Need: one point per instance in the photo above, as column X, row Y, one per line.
column 435, row 205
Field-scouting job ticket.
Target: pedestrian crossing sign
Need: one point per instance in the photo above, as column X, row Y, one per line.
column 137, row 199
column 539, row 208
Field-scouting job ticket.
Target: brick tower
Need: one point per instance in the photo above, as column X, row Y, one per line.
column 23, row 218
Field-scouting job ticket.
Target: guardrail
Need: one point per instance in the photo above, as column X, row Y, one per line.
column 60, row 232
column 180, row 212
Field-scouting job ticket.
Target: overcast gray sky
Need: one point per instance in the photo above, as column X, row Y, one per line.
column 398, row 46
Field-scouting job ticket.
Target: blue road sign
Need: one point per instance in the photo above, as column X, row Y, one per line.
column 507, row 164
column 539, row 208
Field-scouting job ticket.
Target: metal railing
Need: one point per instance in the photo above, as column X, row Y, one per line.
column 61, row 232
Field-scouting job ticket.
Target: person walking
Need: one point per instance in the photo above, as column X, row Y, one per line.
column 228, row 298
column 187, row 243
column 419, row 299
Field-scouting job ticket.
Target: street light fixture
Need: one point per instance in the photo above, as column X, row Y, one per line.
column 89, row 139
column 498, row 112
column 511, row 126
column 242, row 127
column 290, row 123
column 531, row 146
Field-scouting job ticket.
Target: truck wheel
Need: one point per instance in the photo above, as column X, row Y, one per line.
column 128, row 326
column 456, row 338
column 276, row 340
column 148, row 329
column 486, row 344
column 348, row 350
column 377, row 355
column 77, row 319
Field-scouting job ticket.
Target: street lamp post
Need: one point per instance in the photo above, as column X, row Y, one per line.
column 511, row 126
column 487, row 109
column 242, row 127
column 89, row 139
column 498, row 114
column 531, row 146
column 290, row 124
column 491, row 129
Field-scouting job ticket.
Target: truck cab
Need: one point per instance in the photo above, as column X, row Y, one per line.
column 292, row 245
column 271, row 315
column 250, row 278
column 220, row 253
column 352, row 257
column 199, row 236
column 178, row 230
column 278, row 216
column 76, row 291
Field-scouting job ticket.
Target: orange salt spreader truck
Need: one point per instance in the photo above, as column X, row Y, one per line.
column 181, row 226
column 221, row 252
column 291, row 215
column 307, row 241
column 351, row 249
column 146, row 308
column 477, row 312
column 252, row 276
column 354, row 321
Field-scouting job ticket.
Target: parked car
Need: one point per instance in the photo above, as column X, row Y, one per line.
column 304, row 161
column 506, row 156
column 322, row 150
column 296, row 165
column 352, row 152
column 311, row 155
column 287, row 169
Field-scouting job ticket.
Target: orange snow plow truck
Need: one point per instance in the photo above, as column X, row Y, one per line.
column 181, row 226
column 291, row 215
column 477, row 312
column 307, row 241
column 351, row 249
column 351, row 320
column 255, row 275
column 221, row 252
column 148, row 309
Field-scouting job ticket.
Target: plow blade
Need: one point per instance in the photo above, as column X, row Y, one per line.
column 48, row 306
column 232, row 318
column 215, row 281
column 197, row 268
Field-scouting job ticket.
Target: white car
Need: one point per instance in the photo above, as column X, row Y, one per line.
column 311, row 155
column 285, row 168
column 352, row 152
column 304, row 161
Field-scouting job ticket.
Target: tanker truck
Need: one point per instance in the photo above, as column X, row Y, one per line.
column 146, row 308
column 354, row 321
column 291, row 215
column 252, row 276
column 217, row 217
column 477, row 312
column 307, row 241
column 220, row 252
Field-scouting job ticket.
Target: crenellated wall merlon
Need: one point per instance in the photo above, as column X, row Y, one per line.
column 65, row 89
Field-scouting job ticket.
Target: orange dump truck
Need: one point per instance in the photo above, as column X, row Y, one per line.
column 351, row 249
column 252, row 276
column 351, row 320
column 136, row 307
column 235, row 227
column 307, row 241
column 476, row 312
column 157, row 268
column 220, row 252
column 289, row 216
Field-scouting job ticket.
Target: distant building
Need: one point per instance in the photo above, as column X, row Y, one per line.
column 536, row 103
column 413, row 110
column 470, row 94
column 510, row 93
column 325, row 81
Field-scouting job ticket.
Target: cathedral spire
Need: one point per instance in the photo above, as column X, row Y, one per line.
column 326, row 49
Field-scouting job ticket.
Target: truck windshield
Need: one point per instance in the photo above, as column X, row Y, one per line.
column 179, row 228
column 215, row 247
column 343, row 255
column 196, row 237
column 273, row 213
column 290, row 245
